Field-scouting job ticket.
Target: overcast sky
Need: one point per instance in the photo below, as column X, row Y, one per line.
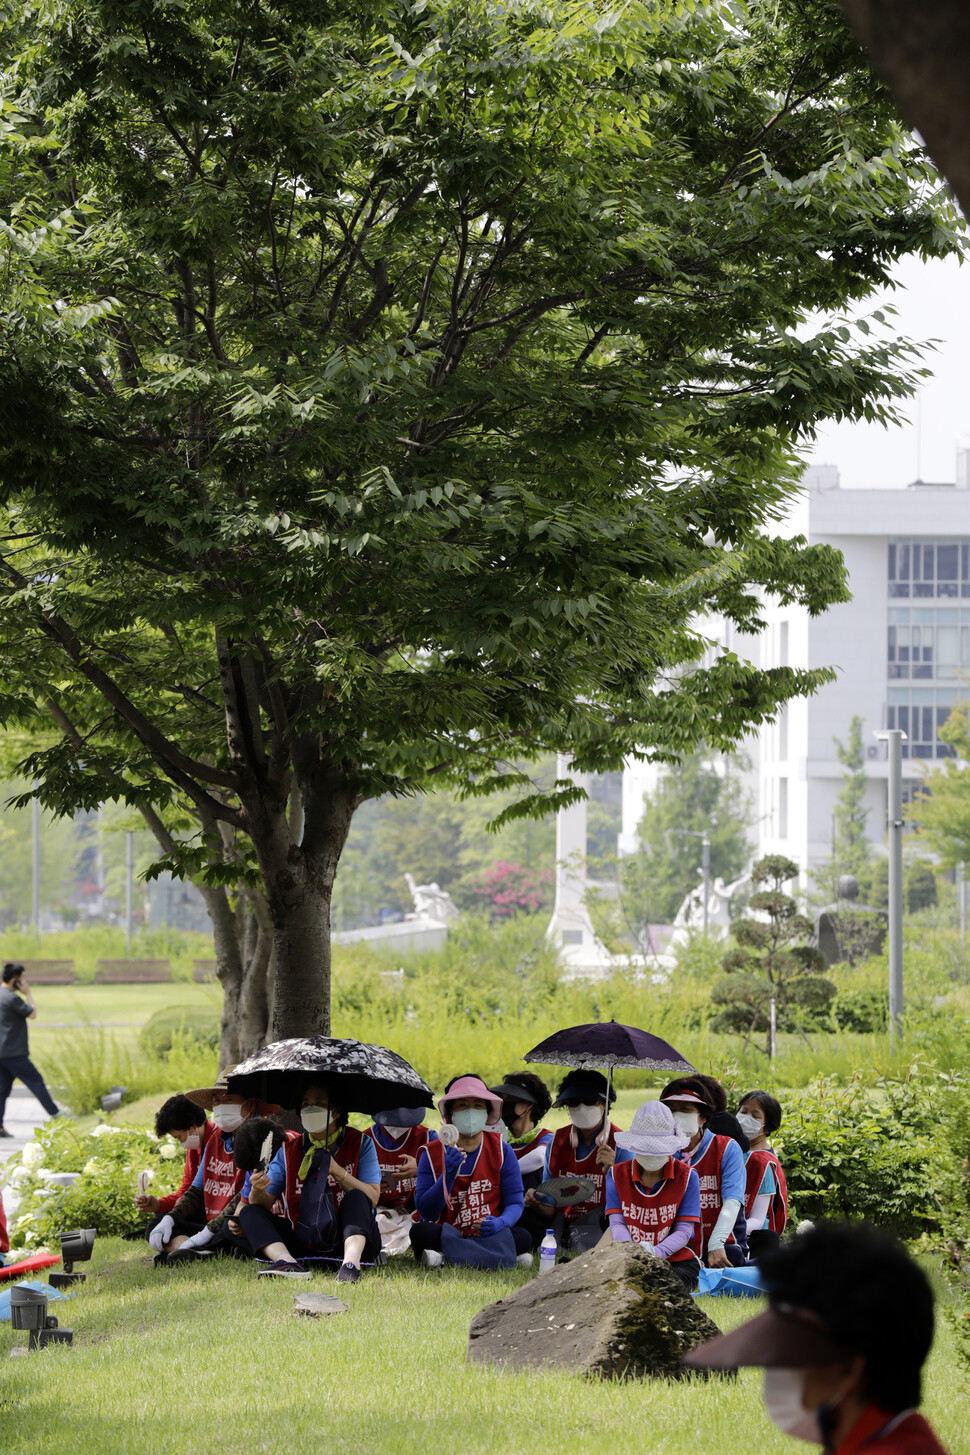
column 933, row 302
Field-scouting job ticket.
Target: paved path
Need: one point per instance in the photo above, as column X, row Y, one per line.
column 23, row 1115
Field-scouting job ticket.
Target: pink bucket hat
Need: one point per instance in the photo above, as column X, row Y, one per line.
column 471, row 1086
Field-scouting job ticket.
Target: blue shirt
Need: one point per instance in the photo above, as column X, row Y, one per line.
column 429, row 1197
column 368, row 1168
column 732, row 1167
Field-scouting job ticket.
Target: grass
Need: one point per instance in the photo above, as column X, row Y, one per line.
column 124, row 1008
column 204, row 1357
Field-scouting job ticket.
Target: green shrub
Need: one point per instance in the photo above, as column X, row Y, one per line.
column 865, row 1009
column 855, row 1152
column 165, row 1028
column 109, row 1159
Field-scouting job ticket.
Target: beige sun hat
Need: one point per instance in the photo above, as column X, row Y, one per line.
column 203, row 1095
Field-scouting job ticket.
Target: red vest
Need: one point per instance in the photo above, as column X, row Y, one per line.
column 347, row 1153
column 399, row 1194
column 754, row 1171
column 475, row 1194
column 221, row 1178
column 876, row 1432
column 563, row 1162
column 708, row 1171
column 650, row 1216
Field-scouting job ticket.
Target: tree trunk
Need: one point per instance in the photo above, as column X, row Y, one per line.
column 243, row 945
column 298, row 877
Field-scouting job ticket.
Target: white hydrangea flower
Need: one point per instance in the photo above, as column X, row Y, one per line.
column 26, row 1220
column 18, row 1176
column 92, row 1167
column 32, row 1156
column 169, row 1150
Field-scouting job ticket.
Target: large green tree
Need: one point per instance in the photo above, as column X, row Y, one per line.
column 943, row 812
column 386, row 388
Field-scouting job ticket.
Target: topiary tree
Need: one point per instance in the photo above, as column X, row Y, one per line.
column 769, row 960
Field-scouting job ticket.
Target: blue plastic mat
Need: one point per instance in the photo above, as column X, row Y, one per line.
column 729, row 1283
column 37, row 1286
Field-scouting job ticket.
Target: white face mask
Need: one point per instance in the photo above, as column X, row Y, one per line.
column 315, row 1119
column 192, row 1142
column 228, row 1117
column 750, row 1126
column 651, row 1164
column 396, row 1132
column 783, row 1390
column 688, row 1121
column 586, row 1117
column 470, row 1120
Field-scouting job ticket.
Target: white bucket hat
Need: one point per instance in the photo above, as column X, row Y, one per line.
column 654, row 1132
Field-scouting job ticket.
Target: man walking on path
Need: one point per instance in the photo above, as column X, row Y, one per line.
column 16, row 1009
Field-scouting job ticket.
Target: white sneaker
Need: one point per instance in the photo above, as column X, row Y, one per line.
column 431, row 1259
column 524, row 1260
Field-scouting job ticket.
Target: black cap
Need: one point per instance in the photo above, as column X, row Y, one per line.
column 511, row 1091
column 582, row 1084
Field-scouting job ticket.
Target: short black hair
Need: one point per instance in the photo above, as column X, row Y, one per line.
column 697, row 1086
column 178, row 1114
column 11, row 971
column 586, row 1081
column 247, row 1142
column 536, row 1087
column 768, row 1104
column 871, row 1297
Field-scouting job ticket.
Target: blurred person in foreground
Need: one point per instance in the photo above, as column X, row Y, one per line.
column 842, row 1345
column 16, row 1009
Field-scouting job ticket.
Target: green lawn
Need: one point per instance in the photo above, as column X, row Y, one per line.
column 123, row 1007
column 206, row 1358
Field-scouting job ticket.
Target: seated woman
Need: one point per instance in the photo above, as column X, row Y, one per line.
column 469, row 1192
column 188, row 1124
column 398, row 1135
column 526, row 1100
column 656, row 1199
column 719, row 1164
column 199, row 1216
column 588, row 1148
column 766, row 1191
column 327, row 1182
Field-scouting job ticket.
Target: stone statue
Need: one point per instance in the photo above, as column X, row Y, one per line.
column 431, row 902
column 847, row 932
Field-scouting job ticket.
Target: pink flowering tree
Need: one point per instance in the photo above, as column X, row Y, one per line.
column 510, row 889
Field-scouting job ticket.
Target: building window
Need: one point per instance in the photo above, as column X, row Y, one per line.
column 929, row 569
column 783, row 808
column 921, row 712
column 783, row 733
column 926, row 644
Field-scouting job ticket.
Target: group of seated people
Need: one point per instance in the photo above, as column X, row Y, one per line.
column 689, row 1180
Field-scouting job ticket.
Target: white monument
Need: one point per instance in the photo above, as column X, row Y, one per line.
column 570, row 928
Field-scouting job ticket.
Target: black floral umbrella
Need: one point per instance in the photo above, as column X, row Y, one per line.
column 362, row 1077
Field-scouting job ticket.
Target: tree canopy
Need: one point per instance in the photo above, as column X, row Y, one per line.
column 386, row 388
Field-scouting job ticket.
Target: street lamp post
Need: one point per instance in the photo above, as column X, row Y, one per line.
column 895, row 738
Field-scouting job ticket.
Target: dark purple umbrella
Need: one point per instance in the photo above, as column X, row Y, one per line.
column 604, row 1045
column 362, row 1077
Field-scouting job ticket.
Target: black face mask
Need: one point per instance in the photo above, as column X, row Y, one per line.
column 508, row 1113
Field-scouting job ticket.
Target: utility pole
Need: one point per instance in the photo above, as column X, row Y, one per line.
column 35, row 863
column 705, row 869
column 129, row 886
column 962, row 901
column 895, row 738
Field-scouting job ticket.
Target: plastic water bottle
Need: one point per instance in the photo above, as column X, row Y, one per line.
column 547, row 1253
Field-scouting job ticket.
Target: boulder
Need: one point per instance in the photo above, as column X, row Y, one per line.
column 319, row 1305
column 616, row 1311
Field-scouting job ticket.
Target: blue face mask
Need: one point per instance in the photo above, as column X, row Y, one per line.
column 470, row 1120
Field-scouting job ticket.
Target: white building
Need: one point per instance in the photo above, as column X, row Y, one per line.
column 900, row 648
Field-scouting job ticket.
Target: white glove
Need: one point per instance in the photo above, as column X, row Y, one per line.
column 161, row 1233
column 198, row 1241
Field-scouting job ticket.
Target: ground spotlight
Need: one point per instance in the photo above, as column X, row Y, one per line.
column 76, row 1247
column 28, row 1310
column 113, row 1098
